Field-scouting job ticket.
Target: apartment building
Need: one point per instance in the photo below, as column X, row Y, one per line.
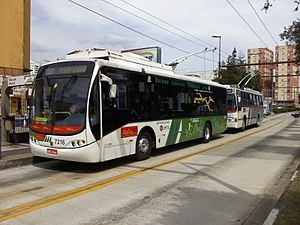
column 260, row 56
column 280, row 81
column 286, row 77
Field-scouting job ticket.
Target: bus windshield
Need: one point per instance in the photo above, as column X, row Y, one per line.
column 60, row 98
column 231, row 102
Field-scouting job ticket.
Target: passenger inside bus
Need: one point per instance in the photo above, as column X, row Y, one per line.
column 75, row 109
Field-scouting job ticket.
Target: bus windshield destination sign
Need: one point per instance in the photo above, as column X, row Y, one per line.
column 75, row 69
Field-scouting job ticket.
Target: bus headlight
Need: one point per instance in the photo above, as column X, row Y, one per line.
column 77, row 143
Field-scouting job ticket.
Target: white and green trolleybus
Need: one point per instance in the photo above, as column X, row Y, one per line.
column 97, row 105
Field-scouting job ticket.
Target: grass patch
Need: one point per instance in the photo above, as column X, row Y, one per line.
column 289, row 213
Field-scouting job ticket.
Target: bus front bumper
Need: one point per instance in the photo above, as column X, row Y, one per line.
column 87, row 154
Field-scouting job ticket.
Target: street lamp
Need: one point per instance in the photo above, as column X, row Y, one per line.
column 219, row 37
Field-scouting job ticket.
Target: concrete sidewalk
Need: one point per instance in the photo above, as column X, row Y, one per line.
column 13, row 155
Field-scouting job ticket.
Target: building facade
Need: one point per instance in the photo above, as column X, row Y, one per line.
column 286, row 77
column 15, row 37
column 15, row 48
column 261, row 56
column 34, row 68
column 279, row 74
column 14, row 61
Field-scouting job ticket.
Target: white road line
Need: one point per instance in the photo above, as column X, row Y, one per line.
column 272, row 216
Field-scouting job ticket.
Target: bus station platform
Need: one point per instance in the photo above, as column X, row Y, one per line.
column 14, row 155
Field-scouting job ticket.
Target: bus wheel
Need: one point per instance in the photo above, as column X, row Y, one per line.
column 207, row 133
column 143, row 146
column 257, row 121
column 243, row 128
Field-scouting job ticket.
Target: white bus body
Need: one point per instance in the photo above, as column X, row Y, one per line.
column 244, row 108
column 99, row 105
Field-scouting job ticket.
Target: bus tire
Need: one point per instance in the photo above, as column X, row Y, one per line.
column 143, row 146
column 257, row 121
column 243, row 128
column 207, row 133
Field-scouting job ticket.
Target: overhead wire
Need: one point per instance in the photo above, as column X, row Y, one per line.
column 169, row 24
column 148, row 21
column 132, row 29
column 266, row 30
column 163, row 28
column 247, row 23
column 264, row 25
column 176, row 28
column 249, row 69
column 129, row 28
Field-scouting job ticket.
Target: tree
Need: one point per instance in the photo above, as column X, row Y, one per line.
column 292, row 36
column 267, row 5
column 292, row 33
column 233, row 72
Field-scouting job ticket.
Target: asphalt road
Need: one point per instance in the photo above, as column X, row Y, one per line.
column 235, row 179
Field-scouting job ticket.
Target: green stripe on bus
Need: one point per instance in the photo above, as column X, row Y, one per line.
column 173, row 132
column 191, row 129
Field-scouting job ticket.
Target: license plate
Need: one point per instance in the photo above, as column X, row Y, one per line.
column 52, row 151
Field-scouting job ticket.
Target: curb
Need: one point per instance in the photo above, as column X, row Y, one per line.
column 16, row 160
column 272, row 217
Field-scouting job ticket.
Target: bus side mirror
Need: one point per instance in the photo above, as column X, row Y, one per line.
column 112, row 87
column 113, row 91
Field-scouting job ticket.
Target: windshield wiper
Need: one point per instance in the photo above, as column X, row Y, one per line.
column 69, row 86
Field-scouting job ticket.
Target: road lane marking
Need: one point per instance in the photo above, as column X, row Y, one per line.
column 16, row 211
column 272, row 217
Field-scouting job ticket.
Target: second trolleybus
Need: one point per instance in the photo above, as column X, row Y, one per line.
column 244, row 107
column 98, row 105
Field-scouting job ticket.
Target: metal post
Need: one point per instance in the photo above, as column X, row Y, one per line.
column 219, row 37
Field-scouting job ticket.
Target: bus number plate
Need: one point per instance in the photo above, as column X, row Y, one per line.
column 52, row 151
column 59, row 141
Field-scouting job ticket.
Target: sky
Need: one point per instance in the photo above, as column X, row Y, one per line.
column 61, row 26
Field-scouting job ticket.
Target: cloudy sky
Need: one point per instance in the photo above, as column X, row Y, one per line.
column 61, row 26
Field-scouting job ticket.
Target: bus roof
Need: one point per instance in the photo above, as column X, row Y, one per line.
column 129, row 60
column 235, row 87
column 101, row 53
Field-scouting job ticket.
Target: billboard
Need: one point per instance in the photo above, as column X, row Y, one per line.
column 151, row 53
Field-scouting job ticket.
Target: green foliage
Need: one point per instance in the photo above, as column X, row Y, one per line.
column 268, row 5
column 284, row 110
column 291, row 35
column 290, row 207
column 233, row 73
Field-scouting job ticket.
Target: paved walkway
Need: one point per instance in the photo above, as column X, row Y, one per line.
column 13, row 155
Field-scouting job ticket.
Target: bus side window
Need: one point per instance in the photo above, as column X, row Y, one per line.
column 239, row 103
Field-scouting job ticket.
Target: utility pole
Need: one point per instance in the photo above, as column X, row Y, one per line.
column 219, row 69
